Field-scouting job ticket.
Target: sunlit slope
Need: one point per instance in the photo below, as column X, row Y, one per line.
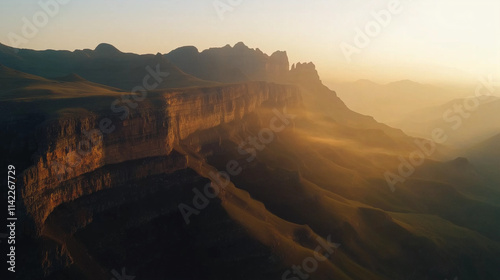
column 330, row 177
column 16, row 85
column 327, row 172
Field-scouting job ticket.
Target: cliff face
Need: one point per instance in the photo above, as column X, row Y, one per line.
column 278, row 66
column 305, row 73
column 58, row 174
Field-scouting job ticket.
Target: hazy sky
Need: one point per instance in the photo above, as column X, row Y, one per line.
column 423, row 40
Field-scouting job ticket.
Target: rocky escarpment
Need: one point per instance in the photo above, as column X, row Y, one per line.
column 70, row 147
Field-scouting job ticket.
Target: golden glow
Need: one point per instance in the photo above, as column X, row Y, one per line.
column 428, row 41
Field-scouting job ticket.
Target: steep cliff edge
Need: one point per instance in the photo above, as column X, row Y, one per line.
column 149, row 131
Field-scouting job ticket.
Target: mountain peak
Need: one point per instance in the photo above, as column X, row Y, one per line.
column 305, row 73
column 240, row 45
column 306, row 65
column 106, row 49
column 308, row 68
column 186, row 50
column 279, row 55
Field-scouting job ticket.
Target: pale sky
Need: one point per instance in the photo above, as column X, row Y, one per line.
column 424, row 40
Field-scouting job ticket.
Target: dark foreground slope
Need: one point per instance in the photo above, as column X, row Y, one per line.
column 134, row 194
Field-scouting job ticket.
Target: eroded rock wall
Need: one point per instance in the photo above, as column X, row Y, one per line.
column 66, row 153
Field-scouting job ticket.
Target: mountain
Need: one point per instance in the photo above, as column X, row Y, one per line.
column 231, row 64
column 104, row 65
column 466, row 121
column 389, row 103
column 248, row 180
column 487, row 155
column 242, row 64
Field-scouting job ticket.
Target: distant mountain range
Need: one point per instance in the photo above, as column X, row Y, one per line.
column 418, row 109
column 467, row 121
column 105, row 65
column 389, row 103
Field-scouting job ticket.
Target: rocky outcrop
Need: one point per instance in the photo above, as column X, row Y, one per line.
column 278, row 66
column 232, row 64
column 305, row 73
